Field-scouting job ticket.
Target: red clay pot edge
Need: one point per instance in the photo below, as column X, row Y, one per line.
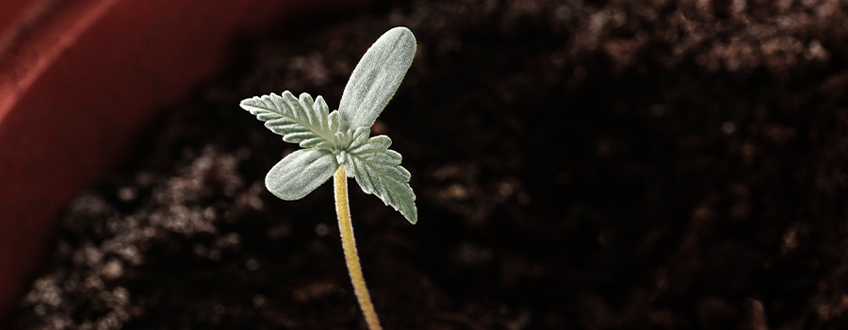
column 79, row 82
column 47, row 32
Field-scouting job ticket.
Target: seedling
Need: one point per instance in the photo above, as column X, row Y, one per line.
column 337, row 144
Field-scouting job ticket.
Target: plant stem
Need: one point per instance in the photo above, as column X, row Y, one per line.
column 349, row 245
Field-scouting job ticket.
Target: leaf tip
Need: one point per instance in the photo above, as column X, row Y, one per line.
column 401, row 32
column 248, row 102
column 413, row 219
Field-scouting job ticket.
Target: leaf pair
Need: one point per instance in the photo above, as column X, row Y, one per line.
column 341, row 137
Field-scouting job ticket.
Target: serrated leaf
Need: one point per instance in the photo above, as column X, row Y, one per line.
column 300, row 173
column 341, row 137
column 299, row 120
column 376, row 78
column 378, row 172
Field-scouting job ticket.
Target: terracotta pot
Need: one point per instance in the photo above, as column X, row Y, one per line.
column 78, row 79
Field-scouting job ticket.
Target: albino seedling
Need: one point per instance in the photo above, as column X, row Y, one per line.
column 338, row 142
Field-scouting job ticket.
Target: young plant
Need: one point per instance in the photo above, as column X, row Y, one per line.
column 337, row 144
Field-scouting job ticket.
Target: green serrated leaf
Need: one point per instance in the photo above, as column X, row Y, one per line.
column 376, row 78
column 304, row 120
column 300, row 173
column 378, row 172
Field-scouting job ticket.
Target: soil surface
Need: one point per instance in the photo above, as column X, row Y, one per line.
column 578, row 164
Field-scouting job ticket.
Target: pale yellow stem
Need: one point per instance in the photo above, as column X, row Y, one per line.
column 349, row 245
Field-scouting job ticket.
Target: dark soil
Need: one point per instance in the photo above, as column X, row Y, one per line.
column 578, row 164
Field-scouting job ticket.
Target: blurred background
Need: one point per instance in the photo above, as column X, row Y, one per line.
column 578, row 165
